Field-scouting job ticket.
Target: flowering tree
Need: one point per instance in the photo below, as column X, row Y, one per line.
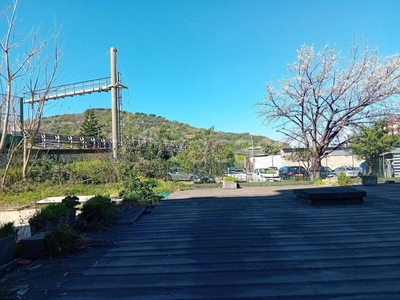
column 326, row 96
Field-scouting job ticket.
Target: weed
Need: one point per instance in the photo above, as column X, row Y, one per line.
column 7, row 229
column 332, row 181
column 343, row 179
column 97, row 213
column 138, row 191
column 61, row 240
column 319, row 181
column 29, row 193
column 50, row 216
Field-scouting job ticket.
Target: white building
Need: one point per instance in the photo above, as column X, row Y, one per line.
column 337, row 158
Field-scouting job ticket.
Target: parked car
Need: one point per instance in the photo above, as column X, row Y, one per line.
column 239, row 173
column 288, row 172
column 174, row 173
column 325, row 172
column 265, row 174
column 204, row 178
column 352, row 172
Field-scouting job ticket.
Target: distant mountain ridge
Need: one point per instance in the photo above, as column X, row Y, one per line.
column 140, row 125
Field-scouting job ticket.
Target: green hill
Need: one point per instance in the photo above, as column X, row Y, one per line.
column 140, row 125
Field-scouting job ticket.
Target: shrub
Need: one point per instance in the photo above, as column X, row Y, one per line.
column 14, row 176
column 53, row 215
column 97, row 213
column 41, row 171
column 70, row 201
column 7, row 229
column 343, row 179
column 138, row 191
column 230, row 178
column 52, row 212
column 61, row 240
column 319, row 181
column 332, row 181
column 93, row 171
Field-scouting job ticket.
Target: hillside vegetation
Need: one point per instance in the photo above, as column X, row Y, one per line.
column 140, row 125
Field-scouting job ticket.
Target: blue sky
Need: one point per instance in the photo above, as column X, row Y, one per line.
column 201, row 62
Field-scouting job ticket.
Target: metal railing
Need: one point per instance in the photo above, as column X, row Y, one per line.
column 69, row 90
column 58, row 141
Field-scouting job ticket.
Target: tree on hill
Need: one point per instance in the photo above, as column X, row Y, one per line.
column 90, row 126
column 326, row 96
column 369, row 142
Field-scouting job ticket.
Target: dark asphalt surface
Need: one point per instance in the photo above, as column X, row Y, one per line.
column 250, row 243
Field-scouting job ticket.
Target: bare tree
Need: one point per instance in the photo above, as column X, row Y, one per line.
column 326, row 96
column 24, row 68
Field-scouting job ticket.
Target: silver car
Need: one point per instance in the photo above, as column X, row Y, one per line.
column 176, row 174
column 349, row 171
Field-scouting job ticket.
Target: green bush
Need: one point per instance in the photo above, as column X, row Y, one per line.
column 52, row 212
column 170, row 186
column 70, row 201
column 230, row 178
column 97, row 213
column 93, row 171
column 7, row 229
column 41, row 171
column 61, row 240
column 319, row 181
column 343, row 179
column 50, row 217
column 138, row 191
column 331, row 181
column 14, row 176
column 97, row 171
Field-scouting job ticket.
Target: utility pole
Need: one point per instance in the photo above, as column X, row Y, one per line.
column 114, row 104
column 252, row 153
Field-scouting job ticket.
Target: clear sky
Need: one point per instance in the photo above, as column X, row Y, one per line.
column 201, row 62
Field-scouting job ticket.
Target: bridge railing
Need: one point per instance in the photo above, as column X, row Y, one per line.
column 58, row 141
column 69, row 90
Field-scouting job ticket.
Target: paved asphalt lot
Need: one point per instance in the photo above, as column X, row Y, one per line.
column 250, row 243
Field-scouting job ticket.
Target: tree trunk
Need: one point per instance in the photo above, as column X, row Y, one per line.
column 316, row 166
column 9, row 162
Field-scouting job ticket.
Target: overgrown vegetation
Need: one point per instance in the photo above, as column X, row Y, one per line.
column 138, row 191
column 51, row 216
column 62, row 240
column 343, row 179
column 97, row 213
column 6, row 229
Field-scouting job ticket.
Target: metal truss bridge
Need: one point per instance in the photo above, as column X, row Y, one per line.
column 73, row 89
